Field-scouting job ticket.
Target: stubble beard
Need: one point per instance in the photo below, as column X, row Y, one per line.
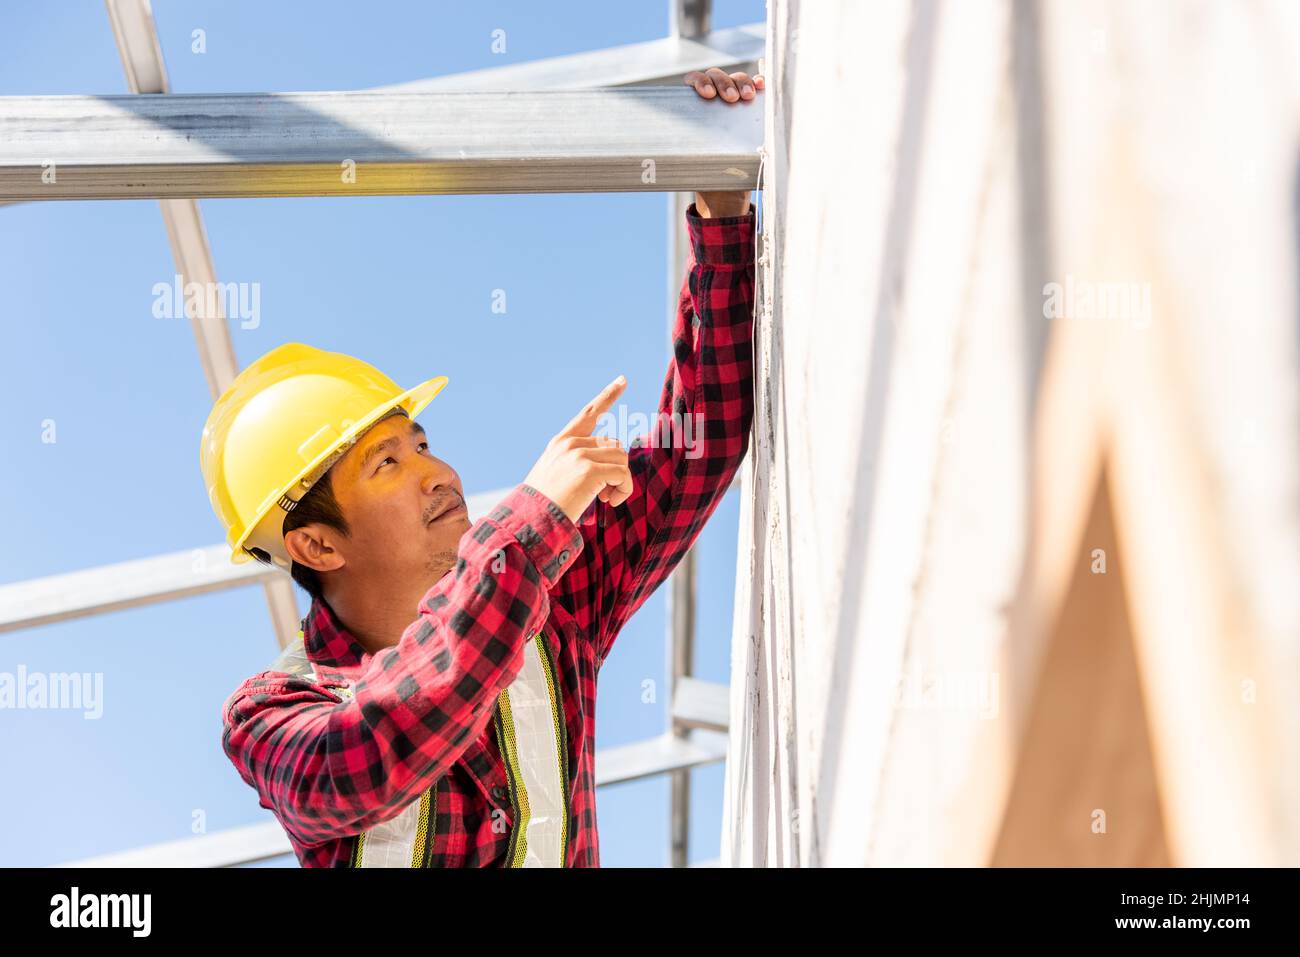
column 441, row 562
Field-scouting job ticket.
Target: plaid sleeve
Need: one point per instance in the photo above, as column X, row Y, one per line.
column 330, row 765
column 683, row 466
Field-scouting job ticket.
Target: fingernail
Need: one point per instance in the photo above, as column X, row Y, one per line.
column 621, row 380
column 747, row 88
column 708, row 88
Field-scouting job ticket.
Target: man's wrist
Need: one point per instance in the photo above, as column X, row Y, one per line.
column 722, row 204
column 550, row 538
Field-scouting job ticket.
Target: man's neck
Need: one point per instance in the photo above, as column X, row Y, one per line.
column 376, row 617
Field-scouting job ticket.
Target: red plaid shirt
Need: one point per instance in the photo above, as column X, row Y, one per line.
column 331, row 766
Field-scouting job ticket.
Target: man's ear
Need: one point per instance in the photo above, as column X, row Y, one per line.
column 312, row 546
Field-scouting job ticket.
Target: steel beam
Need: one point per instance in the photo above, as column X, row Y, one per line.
column 147, row 581
column 228, row 848
column 258, row 842
column 130, row 584
column 681, row 584
column 700, row 704
column 137, row 43
column 688, row 20
column 362, row 144
column 142, row 59
column 692, row 19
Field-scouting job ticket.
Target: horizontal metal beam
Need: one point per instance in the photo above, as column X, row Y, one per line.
column 664, row 61
column 659, row 755
column 132, row 584
column 159, row 578
column 147, row 581
column 237, row 845
column 701, row 704
column 259, row 842
column 643, row 139
column 655, row 62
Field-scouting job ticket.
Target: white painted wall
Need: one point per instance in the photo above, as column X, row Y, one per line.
column 927, row 443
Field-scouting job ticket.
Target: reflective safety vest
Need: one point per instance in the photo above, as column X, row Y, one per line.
column 529, row 722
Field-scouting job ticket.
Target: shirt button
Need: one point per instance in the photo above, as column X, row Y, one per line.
column 500, row 793
column 564, row 555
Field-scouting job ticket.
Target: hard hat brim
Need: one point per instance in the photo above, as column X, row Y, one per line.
column 413, row 401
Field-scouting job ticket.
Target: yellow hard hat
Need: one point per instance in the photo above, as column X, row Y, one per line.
column 282, row 423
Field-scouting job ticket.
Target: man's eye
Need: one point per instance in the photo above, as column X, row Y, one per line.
column 387, row 459
column 423, row 446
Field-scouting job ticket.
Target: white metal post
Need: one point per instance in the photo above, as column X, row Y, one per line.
column 137, row 42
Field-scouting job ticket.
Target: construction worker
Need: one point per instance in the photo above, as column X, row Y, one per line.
column 438, row 709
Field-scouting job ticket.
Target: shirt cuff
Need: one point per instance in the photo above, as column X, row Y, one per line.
column 722, row 240
column 551, row 539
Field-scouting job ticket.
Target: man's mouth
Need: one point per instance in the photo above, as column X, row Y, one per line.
column 450, row 510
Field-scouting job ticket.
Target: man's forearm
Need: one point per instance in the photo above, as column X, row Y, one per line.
column 683, row 467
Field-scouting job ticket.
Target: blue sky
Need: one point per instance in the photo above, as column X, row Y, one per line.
column 405, row 283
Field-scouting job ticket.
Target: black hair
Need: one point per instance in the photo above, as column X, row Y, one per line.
column 318, row 506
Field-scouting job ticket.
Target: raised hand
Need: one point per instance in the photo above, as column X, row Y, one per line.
column 732, row 88
column 577, row 466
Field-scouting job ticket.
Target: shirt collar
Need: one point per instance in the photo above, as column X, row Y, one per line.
column 327, row 641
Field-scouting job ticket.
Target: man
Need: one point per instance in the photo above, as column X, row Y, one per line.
column 439, row 709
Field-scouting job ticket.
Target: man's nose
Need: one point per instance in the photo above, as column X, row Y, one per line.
column 437, row 474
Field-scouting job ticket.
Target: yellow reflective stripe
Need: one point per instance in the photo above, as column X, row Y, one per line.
column 399, row 841
column 531, row 734
column 557, row 714
column 519, row 792
column 422, row 827
column 533, row 742
column 403, row 838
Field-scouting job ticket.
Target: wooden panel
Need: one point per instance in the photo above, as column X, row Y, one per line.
column 1085, row 792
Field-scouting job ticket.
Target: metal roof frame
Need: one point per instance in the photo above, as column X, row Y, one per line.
column 644, row 139
column 140, row 582
column 532, row 127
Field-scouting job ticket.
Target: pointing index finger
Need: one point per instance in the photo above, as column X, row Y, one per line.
column 585, row 421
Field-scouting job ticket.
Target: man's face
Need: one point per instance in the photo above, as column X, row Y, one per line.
column 405, row 509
